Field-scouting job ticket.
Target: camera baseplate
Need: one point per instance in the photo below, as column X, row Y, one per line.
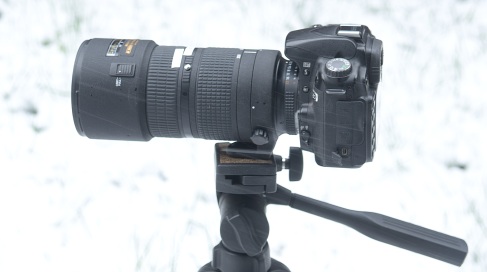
column 241, row 169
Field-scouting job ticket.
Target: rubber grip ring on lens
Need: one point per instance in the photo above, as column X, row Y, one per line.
column 161, row 94
column 213, row 93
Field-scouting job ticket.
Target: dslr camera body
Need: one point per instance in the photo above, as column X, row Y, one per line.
column 339, row 71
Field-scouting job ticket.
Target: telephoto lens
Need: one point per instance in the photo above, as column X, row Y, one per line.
column 135, row 90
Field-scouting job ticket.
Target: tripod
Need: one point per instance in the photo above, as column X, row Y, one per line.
column 246, row 184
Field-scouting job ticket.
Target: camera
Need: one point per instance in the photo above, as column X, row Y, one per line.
column 128, row 89
column 325, row 92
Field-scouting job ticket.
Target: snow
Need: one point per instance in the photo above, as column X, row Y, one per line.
column 68, row 203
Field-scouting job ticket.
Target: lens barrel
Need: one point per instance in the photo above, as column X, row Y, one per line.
column 108, row 92
column 136, row 90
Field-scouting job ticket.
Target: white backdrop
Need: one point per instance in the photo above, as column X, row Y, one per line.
column 68, row 203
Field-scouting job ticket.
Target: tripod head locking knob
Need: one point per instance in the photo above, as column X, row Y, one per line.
column 294, row 163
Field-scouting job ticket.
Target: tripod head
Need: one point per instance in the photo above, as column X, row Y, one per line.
column 246, row 184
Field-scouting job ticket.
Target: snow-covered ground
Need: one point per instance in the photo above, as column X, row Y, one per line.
column 68, row 203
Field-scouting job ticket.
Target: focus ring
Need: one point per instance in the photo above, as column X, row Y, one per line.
column 161, row 94
column 213, row 94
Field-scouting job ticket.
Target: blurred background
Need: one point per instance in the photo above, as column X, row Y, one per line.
column 68, row 203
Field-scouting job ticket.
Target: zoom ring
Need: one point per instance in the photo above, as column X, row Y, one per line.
column 161, row 94
column 213, row 94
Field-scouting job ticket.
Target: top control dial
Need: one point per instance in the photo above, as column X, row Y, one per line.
column 338, row 68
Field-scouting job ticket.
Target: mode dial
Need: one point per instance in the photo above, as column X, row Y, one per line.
column 338, row 68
